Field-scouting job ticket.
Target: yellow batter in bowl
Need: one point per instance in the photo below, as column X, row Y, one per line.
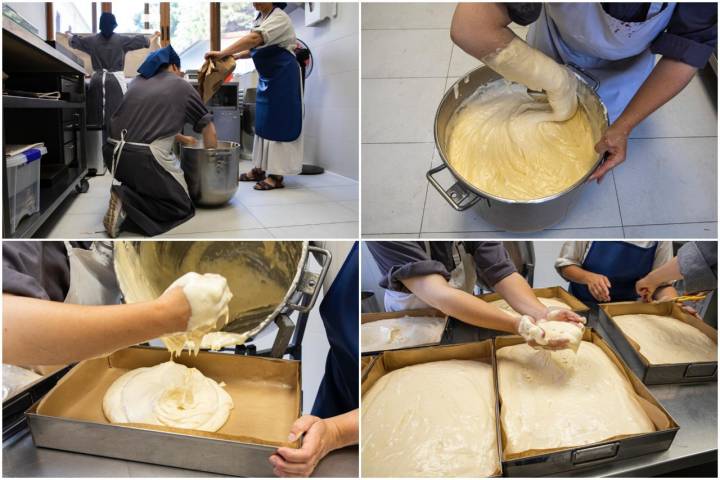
column 499, row 143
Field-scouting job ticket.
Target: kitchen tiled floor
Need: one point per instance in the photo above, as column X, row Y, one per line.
column 317, row 206
column 667, row 188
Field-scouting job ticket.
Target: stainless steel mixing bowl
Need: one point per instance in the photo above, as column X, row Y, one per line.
column 211, row 174
column 511, row 215
column 145, row 269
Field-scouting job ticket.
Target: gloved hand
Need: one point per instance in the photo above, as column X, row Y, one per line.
column 535, row 336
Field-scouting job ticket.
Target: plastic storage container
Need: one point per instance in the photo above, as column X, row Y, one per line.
column 23, row 177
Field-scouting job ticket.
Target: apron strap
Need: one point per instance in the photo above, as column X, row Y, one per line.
column 117, row 151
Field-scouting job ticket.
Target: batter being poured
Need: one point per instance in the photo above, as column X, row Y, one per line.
column 514, row 145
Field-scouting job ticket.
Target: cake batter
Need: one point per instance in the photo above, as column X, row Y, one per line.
column 432, row 419
column 547, row 403
column 665, row 340
column 168, row 394
column 502, row 142
column 403, row 332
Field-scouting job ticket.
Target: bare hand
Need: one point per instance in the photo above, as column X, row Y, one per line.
column 645, row 288
column 599, row 286
column 614, row 142
column 212, row 54
column 319, row 439
column 186, row 139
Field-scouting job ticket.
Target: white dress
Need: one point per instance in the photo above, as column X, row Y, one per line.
column 277, row 158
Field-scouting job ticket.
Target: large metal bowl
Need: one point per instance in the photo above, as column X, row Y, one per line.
column 211, row 173
column 511, row 215
column 265, row 277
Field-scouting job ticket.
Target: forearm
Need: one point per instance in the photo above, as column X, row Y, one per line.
column 667, row 273
column 665, row 293
column 481, row 28
column 242, row 55
column 435, row 291
column 666, row 80
column 345, row 428
column 574, row 273
column 517, row 292
column 248, row 42
column 41, row 332
column 209, row 136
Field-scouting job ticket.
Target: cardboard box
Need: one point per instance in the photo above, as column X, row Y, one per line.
column 550, row 461
column 266, row 393
column 394, row 360
column 422, row 312
column 548, row 292
column 653, row 374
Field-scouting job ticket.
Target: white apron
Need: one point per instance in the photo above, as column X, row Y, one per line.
column 92, row 277
column 462, row 277
column 120, row 77
column 615, row 53
column 162, row 152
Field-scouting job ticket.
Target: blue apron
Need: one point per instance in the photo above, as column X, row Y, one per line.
column 615, row 53
column 338, row 392
column 278, row 104
column 622, row 263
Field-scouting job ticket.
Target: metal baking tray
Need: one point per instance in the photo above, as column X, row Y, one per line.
column 548, row 292
column 421, row 312
column 14, row 407
column 70, row 416
column 396, row 359
column 555, row 461
column 650, row 374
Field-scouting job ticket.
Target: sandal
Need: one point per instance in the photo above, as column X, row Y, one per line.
column 258, row 175
column 264, row 185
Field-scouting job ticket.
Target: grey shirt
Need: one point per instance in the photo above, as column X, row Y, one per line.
column 37, row 269
column 698, row 265
column 108, row 53
column 401, row 260
column 158, row 107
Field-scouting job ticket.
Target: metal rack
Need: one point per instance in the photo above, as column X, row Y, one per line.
column 33, row 65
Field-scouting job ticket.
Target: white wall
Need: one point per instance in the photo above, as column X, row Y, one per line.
column 545, row 274
column 332, row 91
column 34, row 13
column 370, row 275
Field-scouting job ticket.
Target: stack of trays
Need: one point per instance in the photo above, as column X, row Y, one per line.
column 552, row 461
column 654, row 374
column 266, row 393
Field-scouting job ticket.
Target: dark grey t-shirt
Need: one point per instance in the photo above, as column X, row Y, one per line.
column 158, row 107
column 108, row 53
column 37, row 269
column 400, row 260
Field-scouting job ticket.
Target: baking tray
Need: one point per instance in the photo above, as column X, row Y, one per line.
column 14, row 407
column 552, row 461
column 420, row 312
column 265, row 391
column 696, row 372
column 548, row 292
column 366, row 362
column 396, row 359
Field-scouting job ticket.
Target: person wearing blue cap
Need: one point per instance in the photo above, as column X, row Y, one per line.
column 152, row 196
column 107, row 53
column 278, row 143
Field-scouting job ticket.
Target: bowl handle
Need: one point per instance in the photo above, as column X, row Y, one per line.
column 459, row 197
column 311, row 282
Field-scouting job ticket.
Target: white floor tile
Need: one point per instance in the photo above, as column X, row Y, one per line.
column 406, row 15
column 578, row 233
column 248, row 196
column 78, row 226
column 596, row 207
column 232, row 216
column 341, row 193
column 302, row 214
column 671, row 180
column 673, row 231
column 692, row 113
column 394, row 186
column 325, row 230
column 390, row 235
column 327, row 179
column 256, row 233
column 405, row 53
column 83, row 204
column 400, row 110
column 351, row 205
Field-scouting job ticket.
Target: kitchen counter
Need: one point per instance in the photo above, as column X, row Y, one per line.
column 694, row 408
column 22, row 459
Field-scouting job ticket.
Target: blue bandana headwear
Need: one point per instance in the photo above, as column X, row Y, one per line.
column 107, row 24
column 157, row 59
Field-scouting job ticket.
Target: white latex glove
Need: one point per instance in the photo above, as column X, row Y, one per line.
column 209, row 298
column 536, row 336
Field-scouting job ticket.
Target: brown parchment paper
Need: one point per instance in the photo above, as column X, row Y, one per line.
column 660, row 418
column 266, row 392
column 548, row 292
column 396, row 359
column 419, row 312
column 667, row 309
